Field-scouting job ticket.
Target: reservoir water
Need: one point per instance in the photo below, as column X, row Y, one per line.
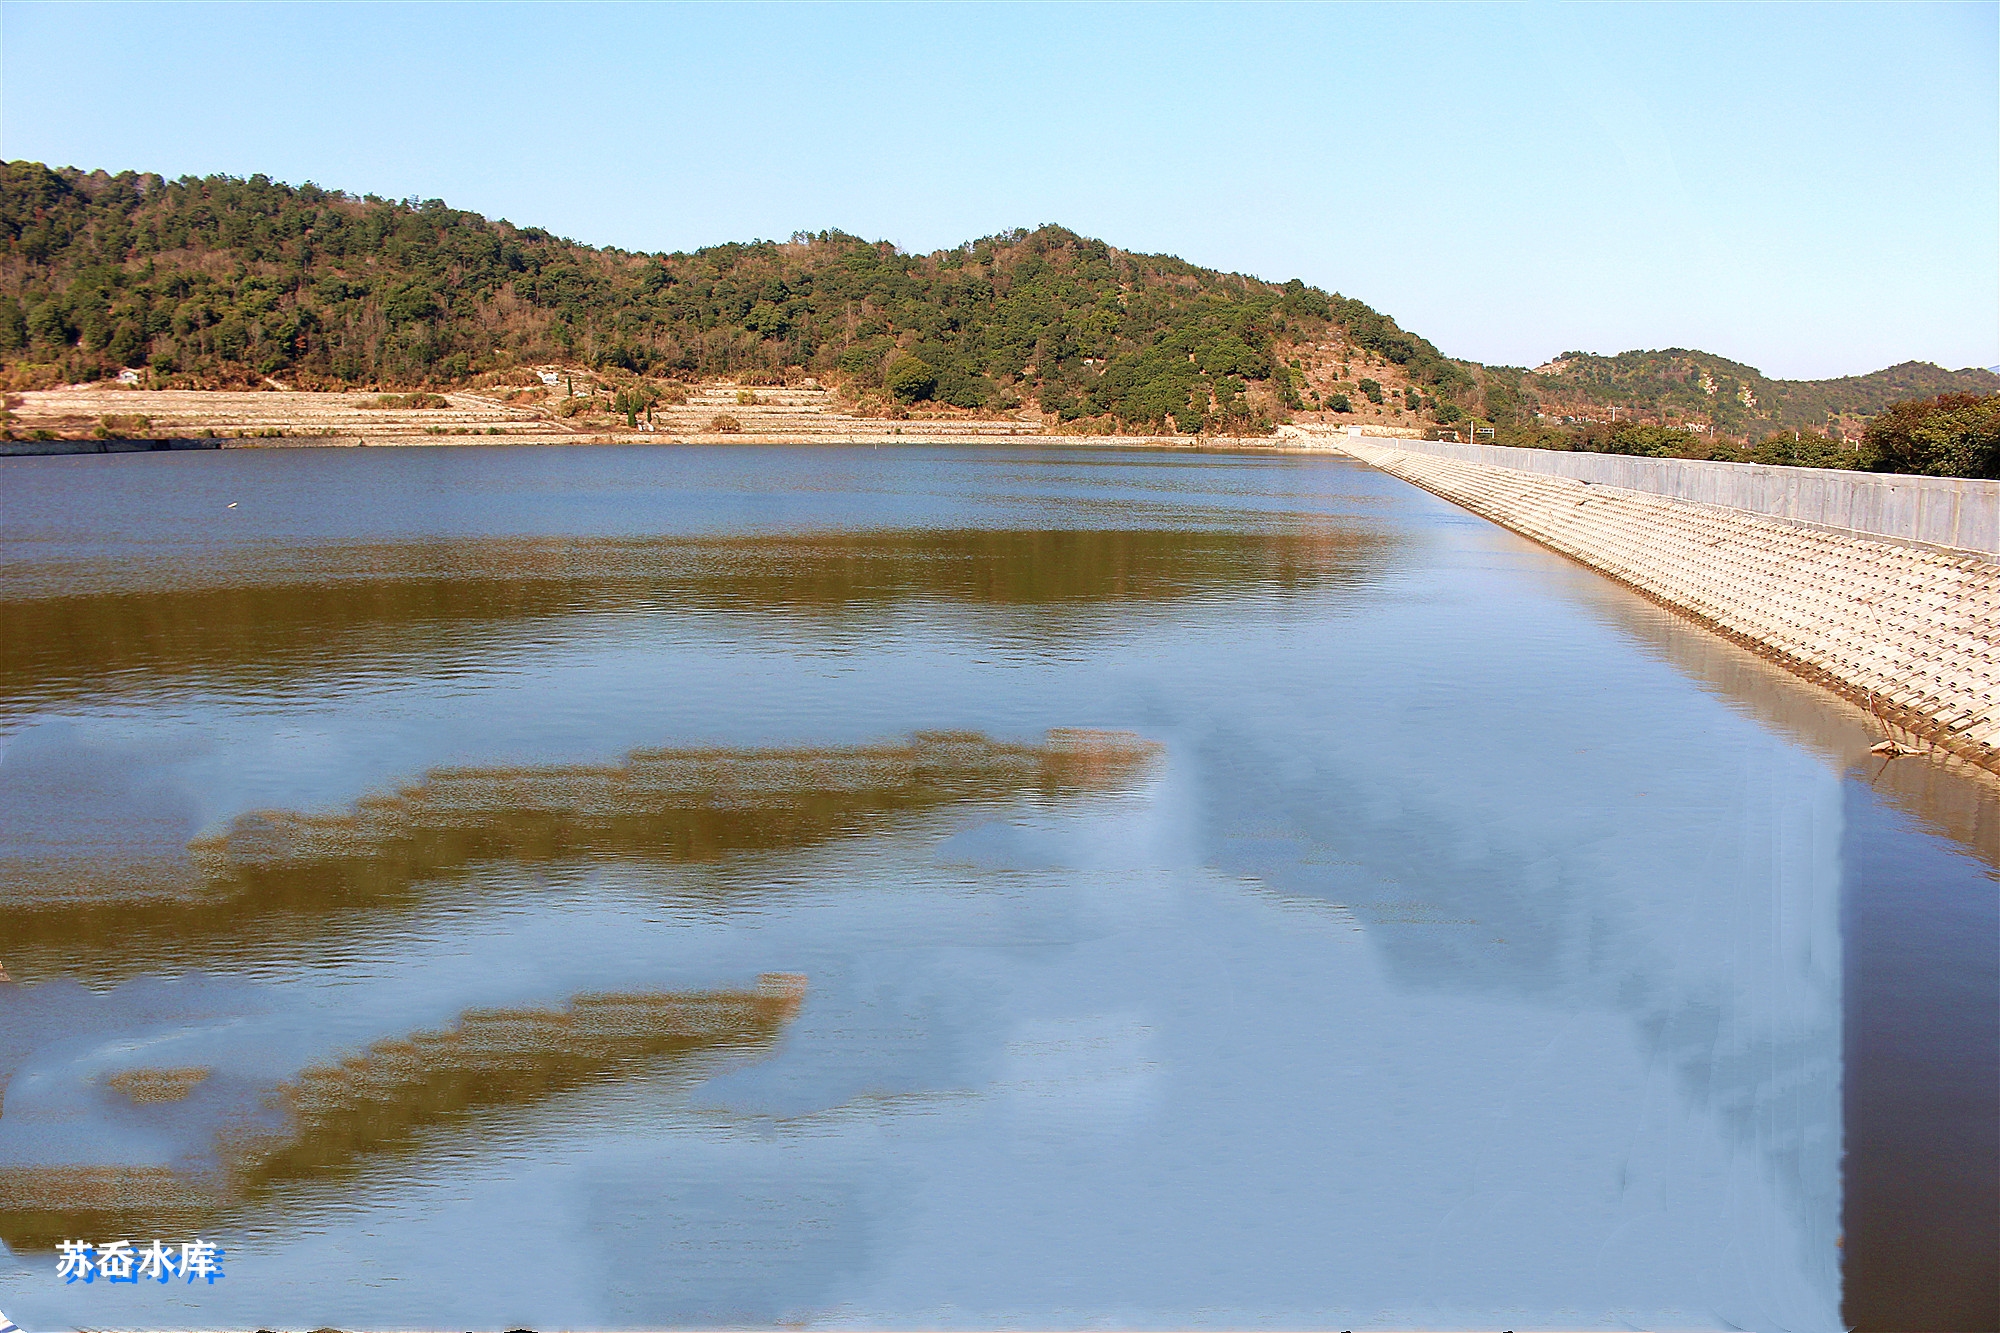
column 648, row 887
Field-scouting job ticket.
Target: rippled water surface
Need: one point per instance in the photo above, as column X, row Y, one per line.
column 657, row 887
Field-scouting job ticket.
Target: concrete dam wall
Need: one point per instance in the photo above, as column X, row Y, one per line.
column 1948, row 512
column 1910, row 631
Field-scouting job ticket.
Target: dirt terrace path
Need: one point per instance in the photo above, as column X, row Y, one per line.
column 793, row 415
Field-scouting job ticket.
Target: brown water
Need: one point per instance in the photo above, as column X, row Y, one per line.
column 648, row 887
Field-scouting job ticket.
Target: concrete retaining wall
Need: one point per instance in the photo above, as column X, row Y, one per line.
column 1936, row 511
column 51, row 448
column 1911, row 633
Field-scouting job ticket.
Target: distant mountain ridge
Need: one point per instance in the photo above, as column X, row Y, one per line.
column 1684, row 384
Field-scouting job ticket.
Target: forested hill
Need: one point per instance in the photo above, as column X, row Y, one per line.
column 1677, row 384
column 219, row 281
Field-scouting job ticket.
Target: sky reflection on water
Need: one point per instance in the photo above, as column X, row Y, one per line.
column 1467, row 951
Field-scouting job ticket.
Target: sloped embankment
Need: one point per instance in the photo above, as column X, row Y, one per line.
column 1910, row 632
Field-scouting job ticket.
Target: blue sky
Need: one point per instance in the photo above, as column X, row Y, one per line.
column 1814, row 190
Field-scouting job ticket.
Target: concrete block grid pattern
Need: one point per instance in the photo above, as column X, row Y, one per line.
column 1952, row 512
column 1910, row 632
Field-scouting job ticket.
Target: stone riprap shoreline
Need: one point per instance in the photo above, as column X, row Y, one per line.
column 1908, row 630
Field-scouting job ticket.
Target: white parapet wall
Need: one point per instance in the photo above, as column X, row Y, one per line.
column 1908, row 630
column 1950, row 512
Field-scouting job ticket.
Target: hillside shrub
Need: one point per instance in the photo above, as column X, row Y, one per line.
column 402, row 401
column 113, row 426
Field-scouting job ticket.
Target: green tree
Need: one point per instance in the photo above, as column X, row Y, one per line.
column 410, row 302
column 47, row 324
column 911, row 379
column 767, row 319
column 1797, row 448
column 1951, row 435
column 1641, row 439
column 128, row 344
column 629, row 403
column 13, row 326
column 1287, row 381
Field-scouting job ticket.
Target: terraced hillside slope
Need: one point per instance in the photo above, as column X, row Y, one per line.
column 723, row 409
